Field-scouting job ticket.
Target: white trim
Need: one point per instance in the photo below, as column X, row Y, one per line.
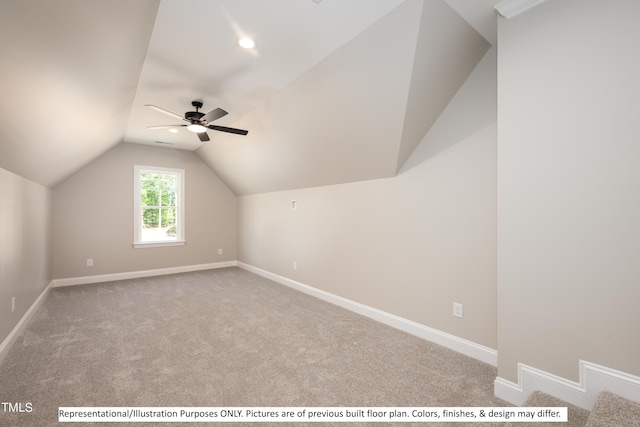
column 72, row 281
column 511, row 8
column 17, row 330
column 469, row 348
column 180, row 206
column 592, row 380
column 159, row 244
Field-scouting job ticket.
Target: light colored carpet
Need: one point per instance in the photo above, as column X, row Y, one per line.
column 576, row 415
column 612, row 410
column 223, row 338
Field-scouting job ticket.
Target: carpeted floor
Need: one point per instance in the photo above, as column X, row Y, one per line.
column 577, row 416
column 223, row 338
column 612, row 410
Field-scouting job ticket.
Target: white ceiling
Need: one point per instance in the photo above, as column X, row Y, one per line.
column 193, row 54
column 335, row 91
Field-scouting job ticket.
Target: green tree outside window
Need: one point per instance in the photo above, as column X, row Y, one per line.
column 158, row 200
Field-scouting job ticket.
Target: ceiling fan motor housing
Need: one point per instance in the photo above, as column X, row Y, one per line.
column 193, row 116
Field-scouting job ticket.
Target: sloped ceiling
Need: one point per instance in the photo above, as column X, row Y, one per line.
column 359, row 113
column 336, row 91
column 69, row 74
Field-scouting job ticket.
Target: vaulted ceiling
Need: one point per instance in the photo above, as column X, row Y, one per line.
column 335, row 91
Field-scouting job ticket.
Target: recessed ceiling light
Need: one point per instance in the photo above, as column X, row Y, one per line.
column 173, row 130
column 247, row 43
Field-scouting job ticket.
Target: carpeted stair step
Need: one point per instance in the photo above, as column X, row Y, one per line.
column 612, row 410
column 577, row 417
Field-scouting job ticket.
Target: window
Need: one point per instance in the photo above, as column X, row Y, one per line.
column 158, row 206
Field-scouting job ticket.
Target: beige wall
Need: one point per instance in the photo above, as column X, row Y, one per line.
column 93, row 216
column 25, row 246
column 409, row 245
column 568, row 187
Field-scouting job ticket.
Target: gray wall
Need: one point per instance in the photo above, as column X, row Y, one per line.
column 93, row 216
column 410, row 245
column 568, row 187
column 25, row 246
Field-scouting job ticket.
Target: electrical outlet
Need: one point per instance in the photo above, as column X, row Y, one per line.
column 89, row 262
column 295, row 265
column 13, row 304
column 294, row 204
column 457, row 310
column 219, row 251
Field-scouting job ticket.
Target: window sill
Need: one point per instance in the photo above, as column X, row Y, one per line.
column 138, row 245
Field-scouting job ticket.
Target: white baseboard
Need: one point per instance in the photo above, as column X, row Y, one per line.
column 17, row 330
column 72, row 281
column 592, row 380
column 469, row 348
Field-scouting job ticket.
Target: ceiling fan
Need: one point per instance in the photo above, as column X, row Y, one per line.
column 198, row 121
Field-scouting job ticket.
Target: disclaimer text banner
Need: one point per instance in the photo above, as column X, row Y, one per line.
column 310, row 414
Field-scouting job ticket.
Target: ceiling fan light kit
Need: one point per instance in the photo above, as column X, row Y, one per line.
column 197, row 128
column 198, row 121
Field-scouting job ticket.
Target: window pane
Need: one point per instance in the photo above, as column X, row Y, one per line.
column 149, row 197
column 150, row 218
column 158, row 213
column 158, row 225
column 149, row 190
column 168, row 217
column 168, row 189
column 169, row 223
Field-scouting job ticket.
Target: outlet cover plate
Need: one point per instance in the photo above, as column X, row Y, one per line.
column 457, row 310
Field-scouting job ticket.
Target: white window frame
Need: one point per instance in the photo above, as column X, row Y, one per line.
column 137, row 208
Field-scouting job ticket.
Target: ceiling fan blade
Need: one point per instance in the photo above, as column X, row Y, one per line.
column 229, row 130
column 161, row 110
column 214, row 115
column 203, row 136
column 165, row 126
